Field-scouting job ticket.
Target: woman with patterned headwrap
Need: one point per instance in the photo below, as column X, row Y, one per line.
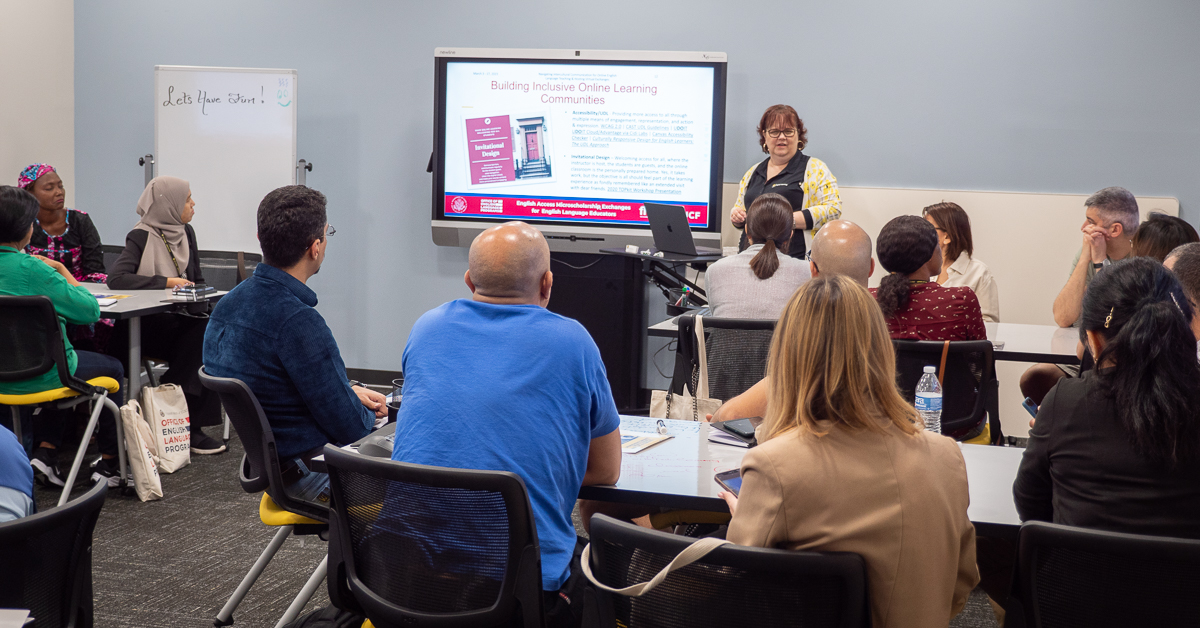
column 62, row 234
column 161, row 252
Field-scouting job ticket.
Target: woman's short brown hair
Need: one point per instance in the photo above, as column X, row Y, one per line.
column 956, row 223
column 832, row 362
column 788, row 116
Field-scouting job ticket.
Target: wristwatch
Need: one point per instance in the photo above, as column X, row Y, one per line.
column 355, row 382
column 1097, row 265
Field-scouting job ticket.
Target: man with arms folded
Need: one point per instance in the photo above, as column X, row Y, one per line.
column 266, row 333
column 1184, row 261
column 839, row 248
column 497, row 382
column 1111, row 219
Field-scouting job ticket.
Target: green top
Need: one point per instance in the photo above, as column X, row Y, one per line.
column 25, row 275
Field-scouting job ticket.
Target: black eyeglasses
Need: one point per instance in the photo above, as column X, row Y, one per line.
column 783, row 132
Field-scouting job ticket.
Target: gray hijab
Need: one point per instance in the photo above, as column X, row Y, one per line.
column 161, row 209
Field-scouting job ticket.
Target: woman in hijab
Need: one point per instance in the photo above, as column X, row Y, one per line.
column 161, row 252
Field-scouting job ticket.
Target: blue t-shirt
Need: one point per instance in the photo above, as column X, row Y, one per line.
column 15, row 471
column 508, row 388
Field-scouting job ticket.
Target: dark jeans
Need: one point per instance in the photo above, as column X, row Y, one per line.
column 51, row 424
column 179, row 341
column 564, row 608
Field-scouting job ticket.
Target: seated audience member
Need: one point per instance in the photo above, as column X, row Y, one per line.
column 1111, row 219
column 842, row 248
column 267, row 333
column 161, row 252
column 757, row 282
column 1160, row 234
column 1118, row 448
column 916, row 308
column 16, row 479
column 67, row 236
column 28, row 275
column 1184, row 261
column 836, row 426
column 959, row 266
column 498, row 382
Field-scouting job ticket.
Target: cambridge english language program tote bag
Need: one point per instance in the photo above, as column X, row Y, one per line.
column 142, row 460
column 666, row 405
column 166, row 410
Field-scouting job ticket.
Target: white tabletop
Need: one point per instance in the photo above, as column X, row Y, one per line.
column 139, row 303
column 1022, row 343
column 679, row 473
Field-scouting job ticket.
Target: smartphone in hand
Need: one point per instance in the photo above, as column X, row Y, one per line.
column 730, row 480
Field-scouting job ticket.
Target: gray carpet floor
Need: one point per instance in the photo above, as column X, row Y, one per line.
column 174, row 562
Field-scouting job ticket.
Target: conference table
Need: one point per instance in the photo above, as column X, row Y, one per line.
column 138, row 303
column 1014, row 342
column 678, row 473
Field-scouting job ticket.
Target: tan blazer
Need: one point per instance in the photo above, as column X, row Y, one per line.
column 898, row 500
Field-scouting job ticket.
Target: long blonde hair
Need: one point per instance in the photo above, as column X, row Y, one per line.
column 832, row 362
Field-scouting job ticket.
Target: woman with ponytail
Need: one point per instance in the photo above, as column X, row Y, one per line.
column 758, row 282
column 915, row 307
column 1119, row 447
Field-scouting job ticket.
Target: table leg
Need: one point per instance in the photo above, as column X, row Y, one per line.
column 135, row 358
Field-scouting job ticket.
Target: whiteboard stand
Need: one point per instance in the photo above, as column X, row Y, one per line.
column 301, row 167
column 148, row 162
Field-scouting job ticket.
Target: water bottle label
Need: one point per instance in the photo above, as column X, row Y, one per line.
column 929, row 402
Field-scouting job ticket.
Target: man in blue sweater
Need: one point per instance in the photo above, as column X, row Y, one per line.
column 267, row 333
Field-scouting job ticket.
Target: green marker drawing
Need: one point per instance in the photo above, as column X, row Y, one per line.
column 284, row 104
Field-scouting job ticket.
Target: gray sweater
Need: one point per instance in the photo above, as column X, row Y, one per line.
column 735, row 292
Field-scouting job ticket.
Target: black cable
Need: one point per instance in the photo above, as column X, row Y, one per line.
column 576, row 267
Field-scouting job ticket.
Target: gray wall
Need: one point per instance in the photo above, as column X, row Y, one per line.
column 1035, row 97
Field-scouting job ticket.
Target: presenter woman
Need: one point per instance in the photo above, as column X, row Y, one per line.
column 959, row 266
column 161, row 252
column 804, row 181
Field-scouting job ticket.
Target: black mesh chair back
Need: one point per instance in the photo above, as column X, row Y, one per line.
column 261, row 459
column 1076, row 577
column 224, row 270
column 730, row 586
column 737, row 351
column 31, row 342
column 970, row 390
column 418, row 545
column 46, row 562
column 111, row 253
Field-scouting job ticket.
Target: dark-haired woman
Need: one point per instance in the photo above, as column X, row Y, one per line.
column 959, row 266
column 915, row 307
column 161, row 252
column 810, row 189
column 1159, row 234
column 758, row 282
column 1118, row 448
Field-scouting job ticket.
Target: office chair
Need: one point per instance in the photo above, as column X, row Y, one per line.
column 32, row 345
column 730, row 586
column 737, row 351
column 970, row 391
column 1070, row 576
column 260, row 471
column 414, row 545
column 46, row 562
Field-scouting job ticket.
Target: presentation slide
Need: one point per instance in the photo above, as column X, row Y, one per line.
column 577, row 142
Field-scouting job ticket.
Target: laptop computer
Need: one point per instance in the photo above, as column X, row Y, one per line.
column 672, row 234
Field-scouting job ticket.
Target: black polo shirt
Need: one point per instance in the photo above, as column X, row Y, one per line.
column 788, row 184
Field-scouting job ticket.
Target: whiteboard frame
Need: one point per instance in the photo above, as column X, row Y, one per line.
column 208, row 68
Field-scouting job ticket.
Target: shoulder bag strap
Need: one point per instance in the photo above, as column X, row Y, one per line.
column 702, row 358
column 942, row 367
column 689, row 555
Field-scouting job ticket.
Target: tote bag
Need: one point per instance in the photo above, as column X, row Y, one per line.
column 166, row 410
column 139, row 442
column 666, row 405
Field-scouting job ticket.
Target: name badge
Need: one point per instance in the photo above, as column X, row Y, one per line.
column 780, row 185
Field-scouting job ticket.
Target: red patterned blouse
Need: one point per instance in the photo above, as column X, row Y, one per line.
column 938, row 313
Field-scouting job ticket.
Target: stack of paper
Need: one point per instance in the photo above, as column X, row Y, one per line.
column 721, row 438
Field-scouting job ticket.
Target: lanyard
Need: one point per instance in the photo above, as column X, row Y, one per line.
column 173, row 260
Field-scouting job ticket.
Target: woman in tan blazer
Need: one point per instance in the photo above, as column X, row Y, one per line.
column 843, row 465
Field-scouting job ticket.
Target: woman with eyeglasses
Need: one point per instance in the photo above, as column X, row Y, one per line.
column 804, row 181
column 161, row 252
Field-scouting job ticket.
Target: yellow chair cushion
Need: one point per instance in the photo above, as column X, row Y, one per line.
column 368, row 624
column 985, row 438
column 272, row 515
column 46, row 396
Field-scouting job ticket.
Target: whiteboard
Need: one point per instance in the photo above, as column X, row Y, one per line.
column 231, row 132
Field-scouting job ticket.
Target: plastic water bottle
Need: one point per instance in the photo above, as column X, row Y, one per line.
column 929, row 400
